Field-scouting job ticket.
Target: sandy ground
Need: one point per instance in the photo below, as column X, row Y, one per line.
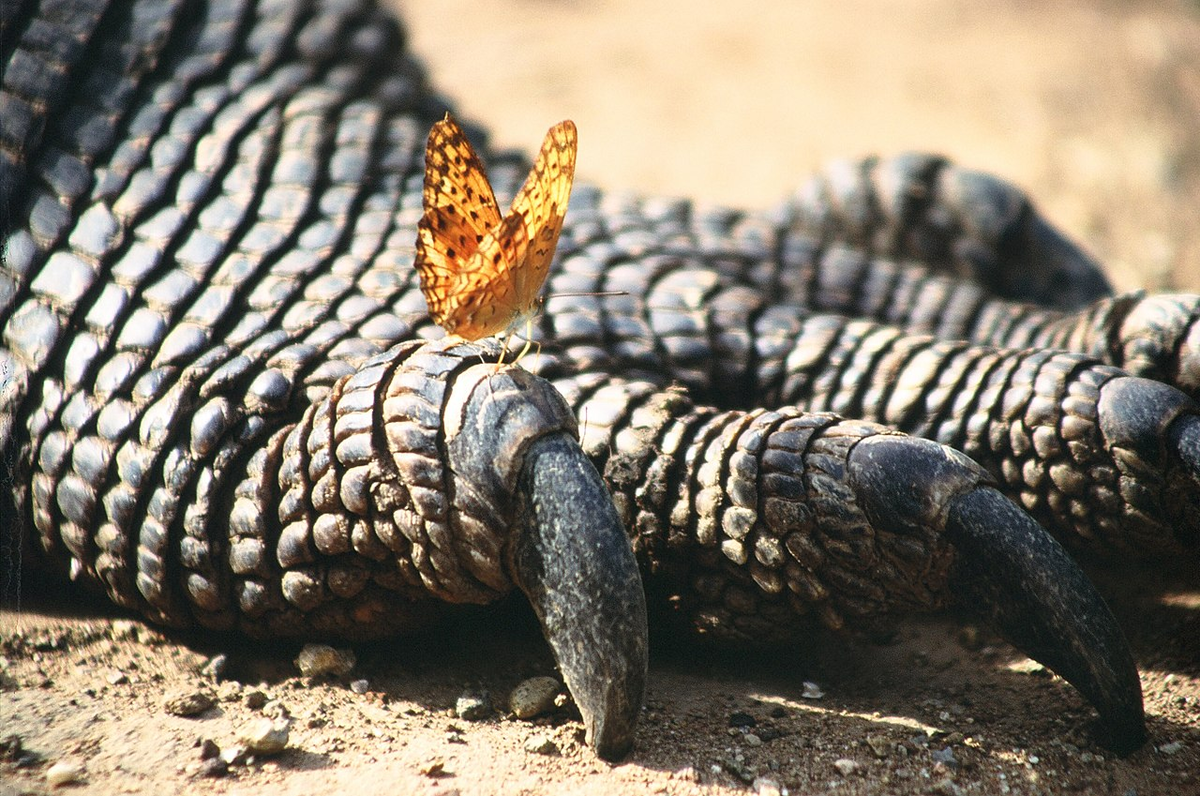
column 943, row 707
column 1092, row 108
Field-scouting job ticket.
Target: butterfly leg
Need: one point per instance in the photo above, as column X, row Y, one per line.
column 529, row 341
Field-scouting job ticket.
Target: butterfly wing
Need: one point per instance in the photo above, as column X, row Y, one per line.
column 542, row 203
column 460, row 211
column 484, row 289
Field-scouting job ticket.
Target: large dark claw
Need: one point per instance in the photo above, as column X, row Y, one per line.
column 574, row 562
column 510, row 438
column 510, row 435
column 1012, row 572
column 1008, row 569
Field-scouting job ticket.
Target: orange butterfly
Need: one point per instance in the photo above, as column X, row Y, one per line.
column 481, row 273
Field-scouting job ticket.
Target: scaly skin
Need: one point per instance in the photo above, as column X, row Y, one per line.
column 217, row 414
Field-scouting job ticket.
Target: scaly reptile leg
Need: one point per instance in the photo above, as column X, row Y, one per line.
column 754, row 525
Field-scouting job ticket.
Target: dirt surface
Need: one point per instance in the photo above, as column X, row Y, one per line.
column 1092, row 109
column 943, row 707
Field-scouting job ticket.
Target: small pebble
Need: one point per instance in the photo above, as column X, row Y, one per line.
column 230, row 691
column 472, row 707
column 765, row 786
column 845, row 766
column 752, row 740
column 235, row 754
column 880, row 746
column 1029, row 666
column 541, row 745
column 316, row 660
column 275, row 709
column 947, row 758
column 811, row 690
column 769, row 733
column 214, row 767
column 64, row 772
column 116, row 677
column 209, row 749
column 215, row 668
column 434, row 769
column 360, row 686
column 533, row 697
column 741, row 719
column 1171, row 748
column 188, row 703
column 255, row 700
column 267, row 737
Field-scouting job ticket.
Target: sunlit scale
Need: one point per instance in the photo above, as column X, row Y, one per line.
column 481, row 273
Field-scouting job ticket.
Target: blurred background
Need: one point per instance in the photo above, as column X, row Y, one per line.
column 1094, row 108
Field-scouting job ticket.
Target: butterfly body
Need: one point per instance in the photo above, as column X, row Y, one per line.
column 481, row 272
